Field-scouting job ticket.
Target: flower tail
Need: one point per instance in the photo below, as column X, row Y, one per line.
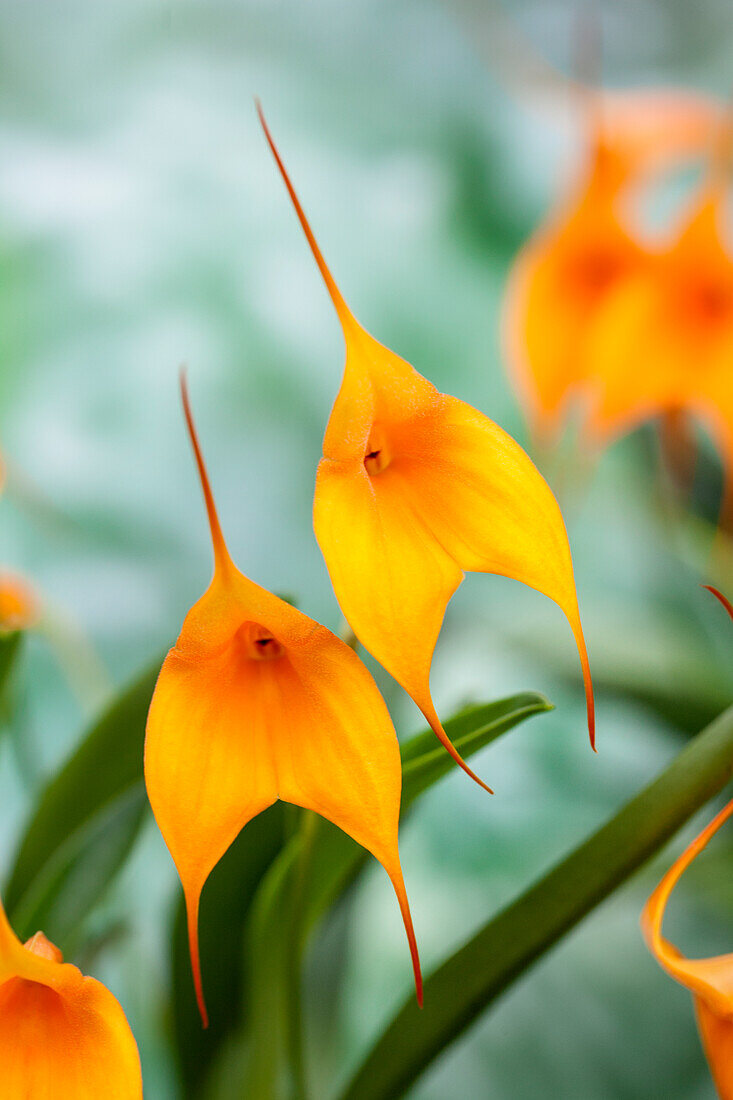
column 222, row 559
column 344, row 313
column 719, row 596
column 192, row 915
column 398, row 883
column 590, row 705
column 435, row 724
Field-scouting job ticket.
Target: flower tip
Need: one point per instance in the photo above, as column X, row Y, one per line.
column 395, row 874
column 40, row 945
column 342, row 310
column 464, row 766
column 261, row 116
column 437, row 728
column 720, row 597
column 192, row 911
column 198, row 986
column 221, row 554
column 590, row 703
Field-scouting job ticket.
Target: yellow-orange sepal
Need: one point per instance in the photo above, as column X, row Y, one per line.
column 63, row 1036
column 256, row 702
column 414, row 488
column 709, row 980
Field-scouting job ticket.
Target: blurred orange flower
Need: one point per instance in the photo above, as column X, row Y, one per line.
column 415, row 487
column 62, row 1036
column 257, row 702
column 709, row 980
column 588, row 246
column 19, row 606
column 662, row 340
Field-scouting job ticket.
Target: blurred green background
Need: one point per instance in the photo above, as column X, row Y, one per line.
column 142, row 226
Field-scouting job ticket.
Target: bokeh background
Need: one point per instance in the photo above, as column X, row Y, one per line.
column 142, row 226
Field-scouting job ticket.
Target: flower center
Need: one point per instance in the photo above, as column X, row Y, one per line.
column 259, row 643
column 377, row 456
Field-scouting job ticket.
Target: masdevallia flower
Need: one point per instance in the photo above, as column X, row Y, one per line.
column 257, row 702
column 709, row 980
column 63, row 1036
column 556, row 283
column 663, row 338
column 414, row 488
column 589, row 245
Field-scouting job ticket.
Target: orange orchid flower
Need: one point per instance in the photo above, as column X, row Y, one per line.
column 19, row 608
column 257, row 702
column 556, row 283
column 662, row 340
column 414, row 488
column 62, row 1036
column 586, row 247
column 709, row 980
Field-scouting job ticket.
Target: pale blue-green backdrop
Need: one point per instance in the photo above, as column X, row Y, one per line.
column 142, row 226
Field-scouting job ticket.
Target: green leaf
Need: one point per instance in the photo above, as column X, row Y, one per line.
column 10, row 648
column 284, row 913
column 471, row 979
column 85, row 824
column 273, row 977
column 81, row 869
